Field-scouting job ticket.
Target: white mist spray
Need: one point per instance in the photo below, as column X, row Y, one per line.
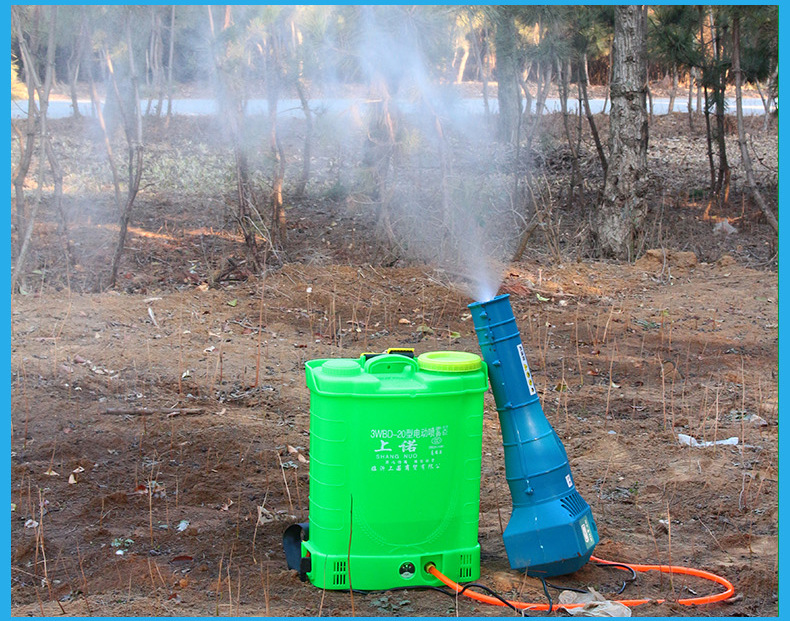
column 439, row 206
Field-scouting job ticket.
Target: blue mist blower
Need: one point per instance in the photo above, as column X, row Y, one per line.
column 551, row 531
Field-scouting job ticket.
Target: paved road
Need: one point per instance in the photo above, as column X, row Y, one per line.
column 292, row 108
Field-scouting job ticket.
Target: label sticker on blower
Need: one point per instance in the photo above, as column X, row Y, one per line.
column 586, row 532
column 527, row 372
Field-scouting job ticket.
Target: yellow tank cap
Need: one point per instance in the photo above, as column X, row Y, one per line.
column 449, row 361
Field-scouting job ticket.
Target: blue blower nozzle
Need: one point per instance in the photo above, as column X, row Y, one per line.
column 551, row 531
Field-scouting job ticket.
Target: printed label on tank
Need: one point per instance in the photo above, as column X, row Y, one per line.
column 407, row 450
column 527, row 372
column 569, row 480
column 586, row 532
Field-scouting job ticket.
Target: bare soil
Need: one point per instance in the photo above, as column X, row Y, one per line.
column 116, row 513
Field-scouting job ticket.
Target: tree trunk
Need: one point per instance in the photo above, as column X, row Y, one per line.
column 747, row 162
column 699, row 91
column 507, row 76
column 690, row 102
column 483, row 73
column 273, row 83
column 540, row 103
column 46, row 150
column 723, row 176
column 524, row 81
column 170, row 63
column 134, row 140
column 671, row 106
column 73, row 65
column 563, row 81
column 308, row 137
column 459, row 76
column 621, row 213
column 159, row 70
column 583, row 81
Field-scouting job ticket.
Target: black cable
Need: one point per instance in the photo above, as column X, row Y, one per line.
column 546, row 591
column 496, row 595
column 491, row 592
column 624, row 567
column 452, row 594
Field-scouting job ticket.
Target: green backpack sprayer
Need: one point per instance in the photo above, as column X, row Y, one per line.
column 395, row 447
column 395, row 466
column 395, row 451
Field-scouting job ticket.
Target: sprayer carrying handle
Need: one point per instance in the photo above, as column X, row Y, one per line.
column 391, row 363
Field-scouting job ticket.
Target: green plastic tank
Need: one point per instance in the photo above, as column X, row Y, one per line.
column 395, row 450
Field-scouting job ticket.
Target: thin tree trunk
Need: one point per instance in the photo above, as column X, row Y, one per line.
column 723, row 176
column 563, row 79
column 704, row 81
column 459, row 76
column 27, row 147
column 278, row 209
column 273, row 84
column 483, row 74
column 745, row 158
column 170, row 62
column 671, row 106
column 691, row 93
column 583, row 81
column 308, row 138
column 649, row 101
column 135, row 157
column 540, row 103
column 527, row 93
column 73, row 66
column 507, row 76
column 160, row 70
column 45, row 146
column 699, row 91
column 709, row 140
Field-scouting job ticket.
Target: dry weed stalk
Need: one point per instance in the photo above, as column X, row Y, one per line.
column 348, row 560
column 23, row 370
column 260, row 326
column 219, row 584
column 611, row 382
column 716, row 423
column 704, row 421
column 230, row 590
column 323, row 588
column 266, row 591
column 238, row 590
column 151, row 504
column 669, row 552
column 180, row 348
column 298, row 494
column 606, row 327
column 496, row 496
column 663, row 391
column 578, row 354
column 287, row 489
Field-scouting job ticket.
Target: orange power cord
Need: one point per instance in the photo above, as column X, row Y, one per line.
column 667, row 569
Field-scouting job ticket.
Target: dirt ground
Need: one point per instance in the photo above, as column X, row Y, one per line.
column 116, row 513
